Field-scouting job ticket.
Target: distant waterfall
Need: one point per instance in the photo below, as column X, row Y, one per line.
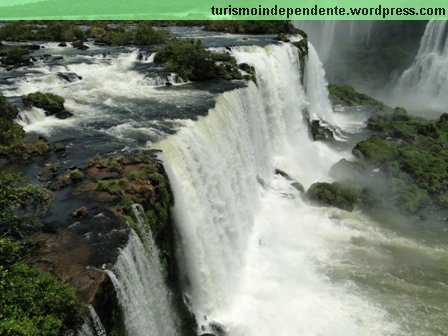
column 329, row 37
column 250, row 246
column 424, row 85
column 139, row 282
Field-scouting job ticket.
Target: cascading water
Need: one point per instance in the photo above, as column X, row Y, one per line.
column 139, row 282
column 316, row 88
column 326, row 34
column 92, row 326
column 251, row 248
column 425, row 84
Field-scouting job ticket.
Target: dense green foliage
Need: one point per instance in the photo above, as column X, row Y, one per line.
column 332, row 194
column 252, row 27
column 33, row 303
column 51, row 103
column 141, row 33
column 13, row 55
column 191, row 60
column 10, row 132
column 409, row 157
column 19, row 204
column 43, row 31
column 13, row 144
column 346, row 94
column 414, row 146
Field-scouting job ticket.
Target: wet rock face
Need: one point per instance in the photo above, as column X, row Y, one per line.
column 69, row 76
column 79, row 45
column 319, row 132
column 67, row 256
column 51, row 103
column 49, row 172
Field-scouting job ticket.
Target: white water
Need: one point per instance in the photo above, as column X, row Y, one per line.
column 139, row 282
column 92, row 326
column 253, row 251
column 425, row 84
column 316, row 88
column 108, row 83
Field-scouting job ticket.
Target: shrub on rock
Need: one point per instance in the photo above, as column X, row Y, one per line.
column 49, row 102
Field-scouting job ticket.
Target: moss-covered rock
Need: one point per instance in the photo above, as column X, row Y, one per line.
column 412, row 155
column 49, row 102
column 332, row 194
column 376, row 149
column 14, row 56
column 345, row 169
column 282, row 37
column 347, row 95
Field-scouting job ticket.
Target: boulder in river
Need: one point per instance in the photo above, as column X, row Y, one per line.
column 79, row 45
column 47, row 101
column 332, row 194
column 49, row 172
column 63, row 114
column 319, row 132
column 69, row 76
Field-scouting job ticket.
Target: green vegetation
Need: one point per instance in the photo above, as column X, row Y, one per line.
column 376, row 150
column 412, row 147
column 253, row 27
column 76, row 175
column 142, row 34
column 33, row 303
column 282, row 37
column 114, row 186
column 141, row 180
column 346, row 94
column 14, row 55
column 13, row 144
column 332, row 194
column 19, row 204
column 10, row 132
column 410, row 159
column 302, row 45
column 303, row 48
column 43, row 31
column 51, row 103
column 191, row 60
column 69, row 31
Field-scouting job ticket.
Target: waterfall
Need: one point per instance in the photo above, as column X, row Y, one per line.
column 250, row 247
column 425, row 84
column 316, row 88
column 31, row 116
column 139, row 282
column 331, row 36
column 92, row 326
